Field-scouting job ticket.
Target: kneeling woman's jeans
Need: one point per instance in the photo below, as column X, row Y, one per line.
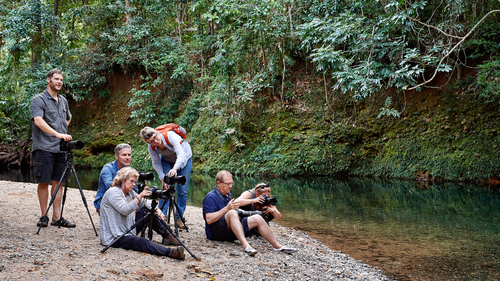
column 141, row 244
column 182, row 189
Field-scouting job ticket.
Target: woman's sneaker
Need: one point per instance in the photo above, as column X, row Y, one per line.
column 250, row 251
column 286, row 250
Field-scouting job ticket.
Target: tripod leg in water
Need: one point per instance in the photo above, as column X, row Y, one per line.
column 83, row 199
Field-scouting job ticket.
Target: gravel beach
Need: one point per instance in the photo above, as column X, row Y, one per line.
column 75, row 254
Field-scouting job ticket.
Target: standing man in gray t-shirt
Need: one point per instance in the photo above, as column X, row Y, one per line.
column 51, row 117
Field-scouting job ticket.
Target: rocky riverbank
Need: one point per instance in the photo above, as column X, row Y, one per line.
column 75, row 254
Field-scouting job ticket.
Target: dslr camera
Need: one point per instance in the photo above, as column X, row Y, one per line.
column 158, row 193
column 69, row 145
column 269, row 200
column 145, row 177
column 173, row 180
column 142, row 178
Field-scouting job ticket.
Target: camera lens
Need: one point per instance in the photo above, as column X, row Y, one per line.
column 146, row 177
column 173, row 180
column 69, row 145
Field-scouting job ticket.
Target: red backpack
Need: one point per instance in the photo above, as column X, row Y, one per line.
column 164, row 129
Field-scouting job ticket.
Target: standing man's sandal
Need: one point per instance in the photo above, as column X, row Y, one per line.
column 43, row 222
column 62, row 222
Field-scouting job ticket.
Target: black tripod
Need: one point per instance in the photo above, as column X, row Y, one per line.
column 150, row 217
column 67, row 170
column 173, row 208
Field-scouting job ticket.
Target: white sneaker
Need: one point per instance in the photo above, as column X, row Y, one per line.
column 286, row 250
column 250, row 251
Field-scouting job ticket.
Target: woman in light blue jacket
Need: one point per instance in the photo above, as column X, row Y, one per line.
column 171, row 155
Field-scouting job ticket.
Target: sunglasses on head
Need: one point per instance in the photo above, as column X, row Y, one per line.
column 262, row 186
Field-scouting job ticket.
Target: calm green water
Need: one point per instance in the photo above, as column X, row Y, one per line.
column 456, row 227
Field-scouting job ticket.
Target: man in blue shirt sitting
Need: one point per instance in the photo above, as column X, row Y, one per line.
column 223, row 223
column 123, row 156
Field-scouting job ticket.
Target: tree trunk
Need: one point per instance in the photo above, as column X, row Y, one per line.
column 17, row 155
column 56, row 8
column 127, row 19
column 55, row 13
column 127, row 15
column 36, row 43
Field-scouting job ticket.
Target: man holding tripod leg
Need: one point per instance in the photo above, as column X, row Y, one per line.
column 51, row 117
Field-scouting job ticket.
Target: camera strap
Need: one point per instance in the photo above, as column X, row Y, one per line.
column 222, row 197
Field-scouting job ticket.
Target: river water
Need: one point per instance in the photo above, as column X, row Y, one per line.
column 413, row 231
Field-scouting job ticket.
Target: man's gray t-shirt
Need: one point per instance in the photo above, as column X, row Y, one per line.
column 56, row 114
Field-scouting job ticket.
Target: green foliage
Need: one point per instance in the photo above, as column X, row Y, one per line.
column 434, row 158
column 488, row 80
column 386, row 110
column 190, row 115
column 229, row 140
column 228, row 70
column 486, row 40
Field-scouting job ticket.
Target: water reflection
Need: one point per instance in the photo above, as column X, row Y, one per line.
column 448, row 229
column 89, row 179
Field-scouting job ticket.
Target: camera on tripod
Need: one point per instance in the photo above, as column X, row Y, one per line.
column 167, row 194
column 142, row 178
column 69, row 145
column 173, row 180
column 157, row 193
column 145, row 177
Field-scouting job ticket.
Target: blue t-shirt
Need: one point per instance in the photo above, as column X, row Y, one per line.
column 211, row 204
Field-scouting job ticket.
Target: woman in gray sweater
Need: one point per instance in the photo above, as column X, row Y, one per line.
column 117, row 215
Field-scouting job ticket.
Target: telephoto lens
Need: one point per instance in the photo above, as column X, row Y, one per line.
column 146, row 177
column 172, row 180
column 69, row 145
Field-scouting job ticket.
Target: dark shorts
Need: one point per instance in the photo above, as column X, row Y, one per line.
column 49, row 166
column 221, row 232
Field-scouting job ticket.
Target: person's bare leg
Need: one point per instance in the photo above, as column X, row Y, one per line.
column 43, row 195
column 234, row 223
column 56, row 210
column 264, row 230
